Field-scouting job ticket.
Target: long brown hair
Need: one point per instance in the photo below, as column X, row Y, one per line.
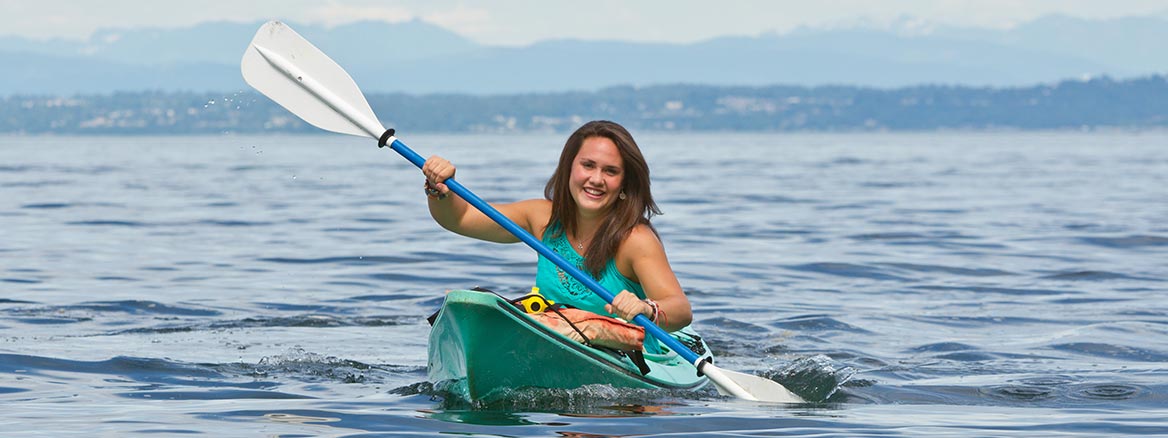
column 623, row 215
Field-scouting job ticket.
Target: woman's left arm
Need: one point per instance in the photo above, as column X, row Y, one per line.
column 642, row 258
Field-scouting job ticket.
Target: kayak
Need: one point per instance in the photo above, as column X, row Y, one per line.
column 486, row 346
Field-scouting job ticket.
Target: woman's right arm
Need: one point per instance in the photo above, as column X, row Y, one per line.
column 455, row 214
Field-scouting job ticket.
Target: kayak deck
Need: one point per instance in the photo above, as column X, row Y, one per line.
column 485, row 342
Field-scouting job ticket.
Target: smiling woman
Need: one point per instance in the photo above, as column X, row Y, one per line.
column 596, row 213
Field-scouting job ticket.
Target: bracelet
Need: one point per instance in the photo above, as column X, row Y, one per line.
column 656, row 309
column 433, row 192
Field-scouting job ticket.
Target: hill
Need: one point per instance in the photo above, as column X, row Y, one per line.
column 420, row 58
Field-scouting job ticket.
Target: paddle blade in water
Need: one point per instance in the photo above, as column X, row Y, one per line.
column 748, row 386
column 288, row 69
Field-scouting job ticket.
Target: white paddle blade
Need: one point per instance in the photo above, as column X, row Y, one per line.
column 749, row 387
column 288, row 69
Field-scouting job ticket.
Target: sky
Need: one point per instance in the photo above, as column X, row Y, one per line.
column 521, row 22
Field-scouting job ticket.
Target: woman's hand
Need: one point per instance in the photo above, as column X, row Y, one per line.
column 437, row 170
column 627, row 306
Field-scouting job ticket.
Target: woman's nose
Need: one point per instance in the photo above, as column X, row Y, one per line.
column 594, row 177
column 598, row 180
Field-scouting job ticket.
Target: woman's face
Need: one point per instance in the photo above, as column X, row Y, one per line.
column 597, row 174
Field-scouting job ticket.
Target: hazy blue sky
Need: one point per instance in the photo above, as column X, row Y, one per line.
column 516, row 22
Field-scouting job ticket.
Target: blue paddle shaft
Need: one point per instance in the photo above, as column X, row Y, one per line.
column 539, row 247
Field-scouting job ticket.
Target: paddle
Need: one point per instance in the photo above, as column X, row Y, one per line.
column 295, row 74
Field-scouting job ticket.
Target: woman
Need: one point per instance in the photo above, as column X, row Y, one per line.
column 596, row 215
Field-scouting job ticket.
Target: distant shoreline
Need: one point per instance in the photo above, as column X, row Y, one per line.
column 1137, row 104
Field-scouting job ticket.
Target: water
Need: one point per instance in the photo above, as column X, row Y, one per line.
column 956, row 284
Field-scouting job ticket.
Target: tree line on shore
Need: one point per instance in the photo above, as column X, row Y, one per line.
column 1137, row 103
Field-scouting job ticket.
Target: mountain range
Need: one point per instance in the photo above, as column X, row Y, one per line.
column 421, row 58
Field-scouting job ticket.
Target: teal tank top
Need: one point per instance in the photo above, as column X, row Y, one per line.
column 560, row 287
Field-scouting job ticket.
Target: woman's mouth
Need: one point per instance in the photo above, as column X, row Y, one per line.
column 593, row 193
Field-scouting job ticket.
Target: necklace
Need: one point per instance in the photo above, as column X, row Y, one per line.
column 580, row 244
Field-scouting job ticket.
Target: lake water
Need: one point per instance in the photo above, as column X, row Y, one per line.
column 942, row 284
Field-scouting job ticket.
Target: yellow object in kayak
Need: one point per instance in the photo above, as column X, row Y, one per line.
column 534, row 303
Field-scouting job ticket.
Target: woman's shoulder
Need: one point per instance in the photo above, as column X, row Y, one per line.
column 641, row 244
column 539, row 210
column 535, row 212
column 640, row 239
column 535, row 204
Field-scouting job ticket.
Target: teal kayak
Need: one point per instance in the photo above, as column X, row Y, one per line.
column 483, row 343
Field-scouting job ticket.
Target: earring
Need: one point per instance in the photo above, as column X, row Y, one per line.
column 622, row 196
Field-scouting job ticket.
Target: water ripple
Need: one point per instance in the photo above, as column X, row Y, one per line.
column 816, row 323
column 345, row 260
column 1107, row 392
column 218, row 394
column 140, row 307
column 109, row 223
column 20, row 280
column 1050, row 380
column 1093, row 275
column 309, row 320
column 1022, row 393
column 47, row 206
column 942, row 347
column 1113, row 351
column 966, row 272
column 847, row 270
column 1126, row 242
column 89, row 311
column 732, row 324
column 995, row 290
